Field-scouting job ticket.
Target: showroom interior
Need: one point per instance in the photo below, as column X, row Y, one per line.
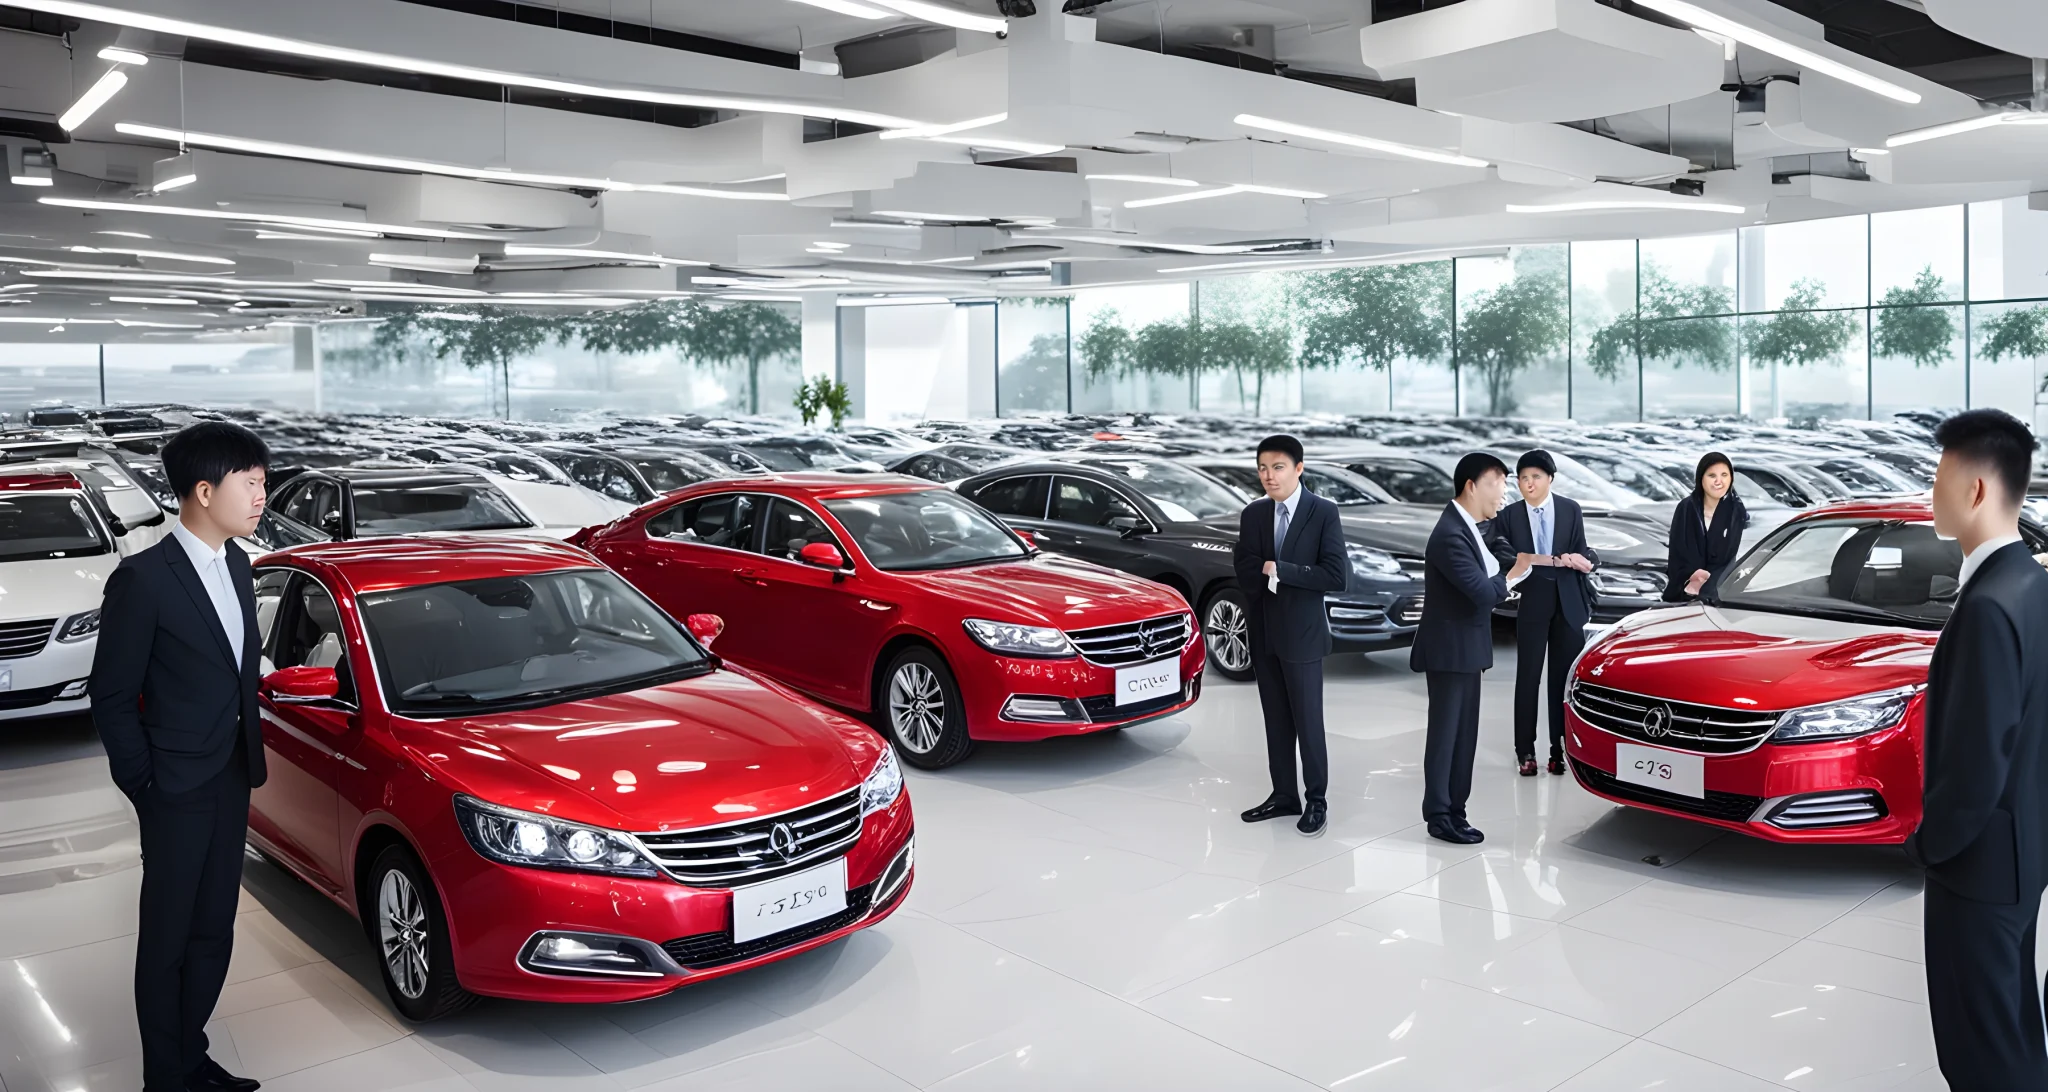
column 754, row 592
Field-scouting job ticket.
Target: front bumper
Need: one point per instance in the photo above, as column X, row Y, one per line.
column 1084, row 693
column 1775, row 791
column 50, row 683
column 1370, row 623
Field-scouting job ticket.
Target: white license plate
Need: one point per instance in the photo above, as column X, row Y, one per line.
column 764, row 909
column 1146, row 682
column 1657, row 768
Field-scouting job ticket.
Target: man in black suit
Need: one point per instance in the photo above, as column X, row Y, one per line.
column 1290, row 550
column 1983, row 836
column 1556, row 601
column 1462, row 583
column 174, row 698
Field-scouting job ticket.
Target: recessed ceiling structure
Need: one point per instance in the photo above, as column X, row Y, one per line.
column 179, row 166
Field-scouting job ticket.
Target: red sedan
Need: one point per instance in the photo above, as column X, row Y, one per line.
column 1792, row 710
column 529, row 782
column 896, row 598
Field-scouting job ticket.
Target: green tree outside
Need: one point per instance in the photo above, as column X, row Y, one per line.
column 1503, row 332
column 1909, row 328
column 1797, row 335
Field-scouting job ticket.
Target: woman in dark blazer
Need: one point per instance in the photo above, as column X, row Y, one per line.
column 1706, row 534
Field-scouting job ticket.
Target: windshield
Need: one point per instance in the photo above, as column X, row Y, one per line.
column 1183, row 495
column 40, row 527
column 520, row 468
column 667, row 475
column 929, row 529
column 450, row 506
column 1880, row 570
column 1581, row 483
column 809, row 453
column 1636, row 477
column 521, row 641
column 1867, row 477
column 1409, row 481
column 980, row 458
column 1334, row 489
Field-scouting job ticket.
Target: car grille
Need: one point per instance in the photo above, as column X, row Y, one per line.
column 707, row 950
column 1412, row 565
column 1407, row 610
column 1828, row 809
column 1133, row 642
column 23, row 699
column 719, row 856
column 1103, row 707
column 19, row 639
column 1728, row 807
column 1701, row 729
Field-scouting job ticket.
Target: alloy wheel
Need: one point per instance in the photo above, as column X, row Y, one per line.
column 402, row 926
column 1229, row 634
column 917, row 707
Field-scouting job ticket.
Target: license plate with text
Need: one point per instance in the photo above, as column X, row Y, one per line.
column 764, row 909
column 1657, row 768
column 1147, row 682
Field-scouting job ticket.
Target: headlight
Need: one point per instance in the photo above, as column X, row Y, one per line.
column 1011, row 639
column 1367, row 561
column 523, row 838
column 1845, row 719
column 1627, row 582
column 882, row 786
column 80, row 626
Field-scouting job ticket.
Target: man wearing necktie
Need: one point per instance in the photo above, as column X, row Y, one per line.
column 174, row 698
column 1556, row 601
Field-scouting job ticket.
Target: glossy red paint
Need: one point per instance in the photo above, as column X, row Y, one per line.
column 831, row 633
column 1755, row 662
column 39, row 480
column 709, row 750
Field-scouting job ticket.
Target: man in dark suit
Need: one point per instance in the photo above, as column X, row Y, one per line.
column 174, row 698
column 1983, row 837
column 1556, row 601
column 1462, row 582
column 1290, row 550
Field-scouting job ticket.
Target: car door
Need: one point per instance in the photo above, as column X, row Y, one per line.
column 1018, row 501
column 306, row 744
column 1078, row 524
column 829, row 631
column 699, row 557
column 283, row 523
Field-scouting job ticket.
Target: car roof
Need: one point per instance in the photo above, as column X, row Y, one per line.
column 821, row 486
column 402, row 475
column 380, row 564
column 25, row 481
column 1919, row 506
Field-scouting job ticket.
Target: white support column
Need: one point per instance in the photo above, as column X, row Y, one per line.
column 852, row 345
column 820, row 335
column 981, row 359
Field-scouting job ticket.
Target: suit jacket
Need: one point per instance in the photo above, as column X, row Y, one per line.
column 1456, row 631
column 168, row 697
column 1289, row 623
column 1514, row 533
column 1695, row 547
column 1984, row 834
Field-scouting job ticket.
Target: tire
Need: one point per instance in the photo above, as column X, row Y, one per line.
column 1226, row 627
column 921, row 712
column 403, row 917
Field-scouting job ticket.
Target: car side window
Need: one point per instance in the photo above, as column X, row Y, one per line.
column 725, row 519
column 617, row 482
column 1333, row 489
column 1770, row 485
column 299, row 503
column 1023, row 497
column 923, row 466
column 1075, row 500
column 586, row 472
column 791, row 527
column 313, row 636
column 1241, row 478
column 270, row 585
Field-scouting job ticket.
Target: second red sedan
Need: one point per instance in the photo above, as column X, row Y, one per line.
column 893, row 597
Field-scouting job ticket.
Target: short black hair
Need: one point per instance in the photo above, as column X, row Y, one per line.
column 1473, row 467
column 1284, row 444
column 208, row 451
column 1538, row 459
column 1996, row 439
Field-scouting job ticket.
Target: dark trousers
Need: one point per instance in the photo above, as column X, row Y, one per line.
column 1291, row 693
column 1540, row 627
column 1982, row 993
column 191, row 883
column 1453, row 738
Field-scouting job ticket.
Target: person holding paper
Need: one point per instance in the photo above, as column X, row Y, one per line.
column 1290, row 550
column 1556, row 603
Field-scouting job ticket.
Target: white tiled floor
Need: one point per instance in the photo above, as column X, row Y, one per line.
column 1090, row 915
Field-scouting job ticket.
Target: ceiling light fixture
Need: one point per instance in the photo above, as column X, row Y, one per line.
column 166, row 255
column 168, row 301
column 423, row 289
column 38, row 168
column 1022, row 147
column 1701, row 19
column 1608, row 205
column 123, row 56
column 947, row 217
column 95, row 97
column 1865, row 153
column 430, row 263
column 315, row 222
column 1339, row 263
column 1371, row 144
column 760, row 178
column 832, row 246
column 947, row 261
column 519, row 250
column 890, row 301
column 162, row 325
column 1966, row 125
column 1177, row 198
column 848, row 7
column 174, row 173
column 884, row 225
column 1282, row 191
column 125, row 234
column 1152, row 179
column 945, row 16
column 925, row 132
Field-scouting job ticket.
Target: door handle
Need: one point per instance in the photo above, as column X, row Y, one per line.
column 749, row 576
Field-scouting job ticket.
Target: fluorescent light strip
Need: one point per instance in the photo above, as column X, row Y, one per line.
column 1177, row 198
column 744, row 297
column 925, row 132
column 1371, row 144
column 848, row 7
column 832, row 246
column 1336, row 263
column 170, row 301
column 1151, row 179
column 1629, row 206
column 1280, row 191
column 758, row 178
column 1702, row 19
column 162, row 325
column 431, row 263
column 29, row 320
column 95, row 97
column 31, row 180
column 100, row 13
column 516, row 250
column 1020, row 146
column 400, row 286
column 873, row 224
column 166, row 255
column 949, row 217
column 1966, row 125
column 125, row 234
column 255, row 218
column 123, row 56
column 1869, row 151
column 945, row 16
column 890, row 301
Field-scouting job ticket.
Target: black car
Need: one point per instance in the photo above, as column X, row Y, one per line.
column 952, row 462
column 357, row 502
column 1405, row 478
column 632, row 473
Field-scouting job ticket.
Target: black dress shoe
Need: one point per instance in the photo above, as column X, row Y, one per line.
column 1313, row 819
column 1469, row 832
column 210, row 1077
column 1273, row 808
column 1457, row 834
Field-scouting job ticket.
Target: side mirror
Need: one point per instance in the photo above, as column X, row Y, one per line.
column 1030, row 540
column 704, row 627
column 1126, row 525
column 301, row 685
column 822, row 555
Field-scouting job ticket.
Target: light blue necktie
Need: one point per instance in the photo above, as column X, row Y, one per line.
column 1280, row 532
column 1543, row 531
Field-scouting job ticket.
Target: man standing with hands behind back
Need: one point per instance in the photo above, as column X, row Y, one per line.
column 1462, row 583
column 1984, row 834
column 174, row 698
column 1290, row 550
column 1557, row 600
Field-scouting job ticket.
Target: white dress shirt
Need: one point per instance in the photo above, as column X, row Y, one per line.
column 1287, row 507
column 1485, row 555
column 1980, row 555
column 212, row 565
column 1544, row 535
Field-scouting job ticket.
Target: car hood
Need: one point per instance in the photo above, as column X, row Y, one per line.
column 1396, row 528
column 1754, row 659
column 714, row 749
column 1054, row 591
column 53, row 588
